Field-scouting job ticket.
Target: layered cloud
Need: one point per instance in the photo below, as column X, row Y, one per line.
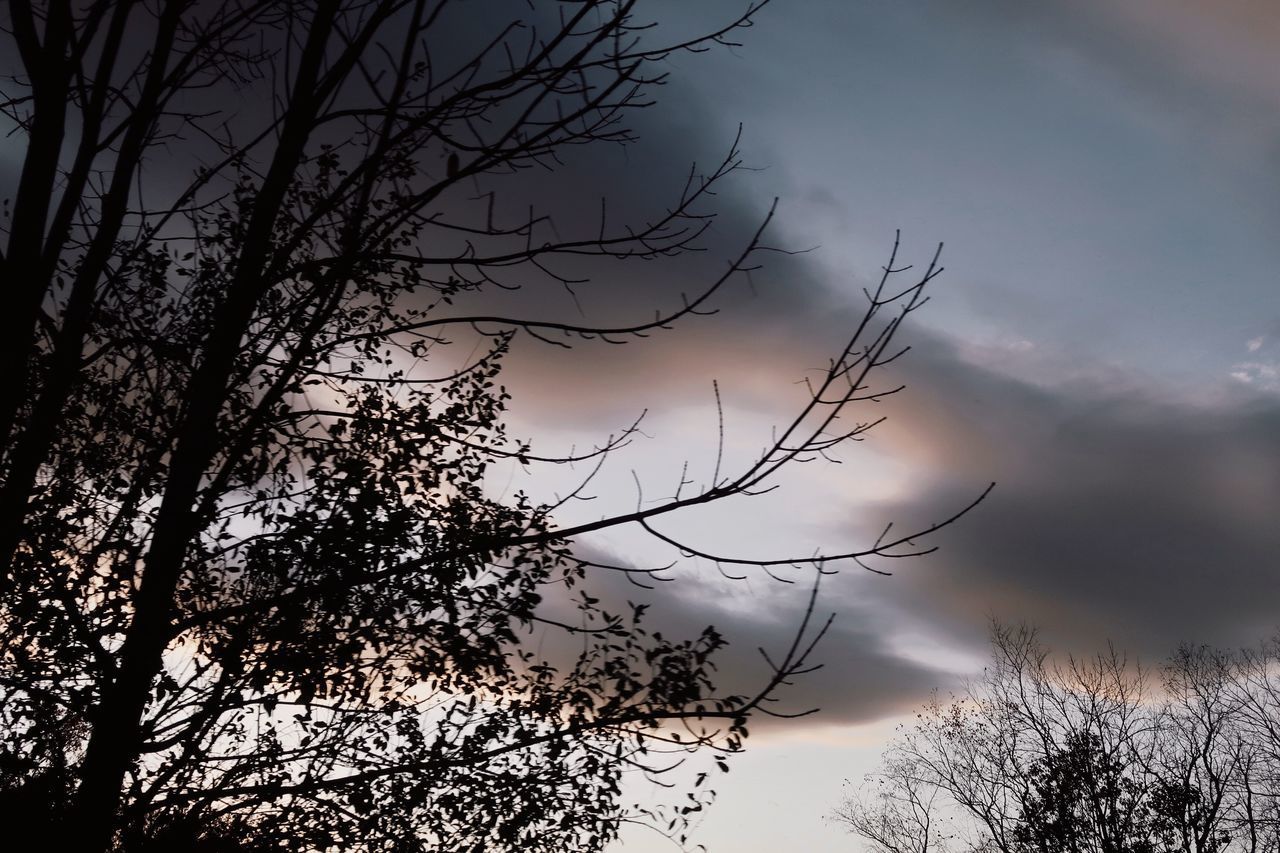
column 862, row 676
column 1124, row 510
column 1128, row 507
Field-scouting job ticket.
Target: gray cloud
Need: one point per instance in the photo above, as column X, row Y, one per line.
column 768, row 326
column 862, row 677
column 1123, row 511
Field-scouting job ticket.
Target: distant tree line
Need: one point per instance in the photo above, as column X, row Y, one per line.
column 1085, row 756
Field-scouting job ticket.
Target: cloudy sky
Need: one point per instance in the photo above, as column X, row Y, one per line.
column 1105, row 345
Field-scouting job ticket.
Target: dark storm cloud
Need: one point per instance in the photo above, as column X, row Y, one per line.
column 767, row 326
column 773, row 310
column 631, row 187
column 612, row 188
column 1123, row 510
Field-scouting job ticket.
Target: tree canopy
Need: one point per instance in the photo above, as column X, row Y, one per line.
column 1086, row 756
column 256, row 593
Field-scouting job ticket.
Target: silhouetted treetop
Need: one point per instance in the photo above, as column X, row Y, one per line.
column 255, row 591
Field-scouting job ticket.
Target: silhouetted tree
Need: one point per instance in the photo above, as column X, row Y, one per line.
column 1085, row 757
column 1083, row 799
column 254, row 592
column 897, row 813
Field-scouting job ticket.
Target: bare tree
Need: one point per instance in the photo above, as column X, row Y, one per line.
column 255, row 593
column 1086, row 755
column 1254, row 742
column 897, row 812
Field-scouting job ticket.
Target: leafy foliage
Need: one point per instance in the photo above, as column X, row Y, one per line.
column 256, row 594
column 1080, row 795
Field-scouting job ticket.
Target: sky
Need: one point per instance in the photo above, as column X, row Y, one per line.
column 1104, row 345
